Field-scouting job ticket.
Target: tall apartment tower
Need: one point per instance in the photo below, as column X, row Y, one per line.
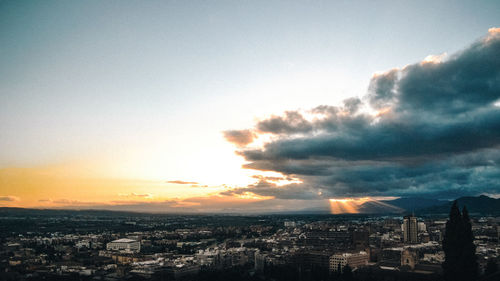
column 410, row 229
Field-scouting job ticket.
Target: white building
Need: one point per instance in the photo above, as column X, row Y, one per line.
column 83, row 244
column 125, row 245
column 421, row 227
column 354, row 260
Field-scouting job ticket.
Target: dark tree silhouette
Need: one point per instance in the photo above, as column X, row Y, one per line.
column 469, row 265
column 491, row 267
column 347, row 273
column 451, row 243
column 458, row 245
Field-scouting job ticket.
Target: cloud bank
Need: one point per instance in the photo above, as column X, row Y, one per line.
column 430, row 129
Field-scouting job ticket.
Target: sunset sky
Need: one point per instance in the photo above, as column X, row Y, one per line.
column 247, row 106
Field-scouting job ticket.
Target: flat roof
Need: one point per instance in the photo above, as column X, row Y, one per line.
column 124, row 240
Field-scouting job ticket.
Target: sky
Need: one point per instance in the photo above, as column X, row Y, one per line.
column 247, row 106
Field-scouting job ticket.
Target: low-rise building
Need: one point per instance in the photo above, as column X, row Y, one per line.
column 354, row 260
column 125, row 245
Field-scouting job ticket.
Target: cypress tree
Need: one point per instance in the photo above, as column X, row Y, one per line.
column 347, row 273
column 458, row 246
column 491, row 267
column 451, row 245
column 469, row 263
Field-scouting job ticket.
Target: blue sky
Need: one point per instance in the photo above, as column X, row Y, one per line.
column 143, row 90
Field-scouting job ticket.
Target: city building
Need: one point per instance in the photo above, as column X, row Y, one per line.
column 260, row 261
column 421, row 227
column 360, row 239
column 408, row 258
column 354, row 260
column 125, row 245
column 410, row 229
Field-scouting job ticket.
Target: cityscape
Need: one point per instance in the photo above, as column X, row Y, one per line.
column 263, row 140
column 107, row 245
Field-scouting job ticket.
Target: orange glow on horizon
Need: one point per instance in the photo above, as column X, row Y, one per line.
column 347, row 205
column 351, row 205
column 252, row 196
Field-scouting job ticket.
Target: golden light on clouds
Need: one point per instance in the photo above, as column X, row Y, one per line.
column 433, row 59
column 347, row 205
column 382, row 111
column 492, row 34
column 494, row 30
column 252, row 196
column 352, row 205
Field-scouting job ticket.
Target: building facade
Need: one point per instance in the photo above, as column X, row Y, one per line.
column 354, row 260
column 125, row 245
column 410, row 229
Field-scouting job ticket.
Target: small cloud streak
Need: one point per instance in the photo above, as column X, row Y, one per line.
column 136, row 195
column 240, row 138
column 183, row 182
column 9, row 198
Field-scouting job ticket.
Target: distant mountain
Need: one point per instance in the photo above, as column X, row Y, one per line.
column 23, row 212
column 400, row 205
column 379, row 207
column 415, row 203
column 481, row 204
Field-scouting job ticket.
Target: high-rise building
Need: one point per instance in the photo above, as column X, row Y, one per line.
column 410, row 229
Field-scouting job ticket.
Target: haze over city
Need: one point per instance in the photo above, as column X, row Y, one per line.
column 245, row 106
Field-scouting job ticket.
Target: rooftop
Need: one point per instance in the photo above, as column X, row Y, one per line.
column 124, row 240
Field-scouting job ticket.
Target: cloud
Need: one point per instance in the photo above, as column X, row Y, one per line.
column 206, row 204
column 239, row 137
column 73, row 203
column 292, row 122
column 182, row 182
column 136, row 195
column 382, row 91
column 265, row 188
column 429, row 128
column 494, row 30
column 9, row 198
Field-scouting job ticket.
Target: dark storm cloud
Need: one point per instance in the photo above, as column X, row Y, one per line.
column 381, row 91
column 352, row 105
column 292, row 122
column 436, row 132
column 465, row 82
column 266, row 188
column 467, row 174
column 394, row 139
